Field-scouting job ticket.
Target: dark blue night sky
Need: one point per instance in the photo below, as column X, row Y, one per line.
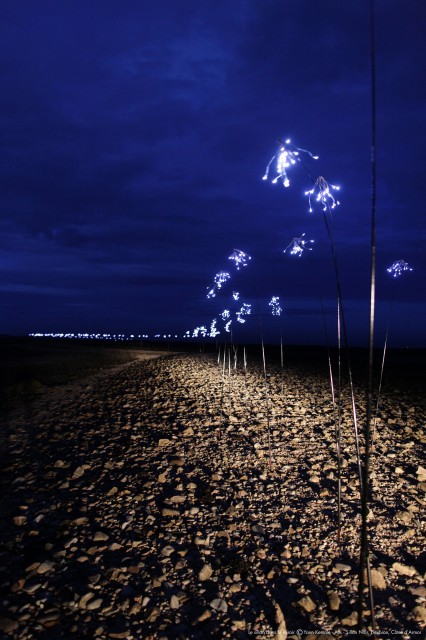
column 134, row 140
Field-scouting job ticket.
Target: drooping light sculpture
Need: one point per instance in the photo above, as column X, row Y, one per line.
column 287, row 156
column 275, row 306
column 240, row 258
column 398, row 268
column 321, row 192
column 213, row 329
column 244, row 311
column 219, row 279
column 298, row 245
column 199, row 331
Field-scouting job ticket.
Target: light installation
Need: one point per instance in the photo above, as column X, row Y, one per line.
column 298, row 245
column 287, row 156
column 275, row 306
column 398, row 268
column 321, row 192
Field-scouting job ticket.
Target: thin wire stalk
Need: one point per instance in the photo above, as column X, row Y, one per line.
column 364, row 561
column 376, row 412
column 265, row 377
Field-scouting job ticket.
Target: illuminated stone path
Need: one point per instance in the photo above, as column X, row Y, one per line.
column 175, row 498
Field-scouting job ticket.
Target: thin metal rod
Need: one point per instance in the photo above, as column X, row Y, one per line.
column 265, row 377
column 379, row 391
column 346, row 343
column 364, row 562
column 337, row 416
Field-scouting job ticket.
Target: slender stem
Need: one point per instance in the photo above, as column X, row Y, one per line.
column 337, row 417
column 346, row 344
column 338, row 427
column 219, row 433
column 364, row 563
column 376, row 412
column 265, row 377
column 229, row 381
column 345, row 334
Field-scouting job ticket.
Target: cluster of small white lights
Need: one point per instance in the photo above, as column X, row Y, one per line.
column 275, row 306
column 244, row 311
column 287, row 155
column 321, row 192
column 228, row 326
column 199, row 331
column 298, row 245
column 213, row 329
column 398, row 268
column 240, row 258
column 219, row 279
column 225, row 314
column 235, row 295
column 96, row 336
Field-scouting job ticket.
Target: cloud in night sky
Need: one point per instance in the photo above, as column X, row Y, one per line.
column 134, row 139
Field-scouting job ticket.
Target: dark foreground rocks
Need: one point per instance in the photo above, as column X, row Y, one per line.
column 178, row 498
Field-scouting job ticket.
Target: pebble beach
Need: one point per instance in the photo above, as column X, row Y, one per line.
column 180, row 497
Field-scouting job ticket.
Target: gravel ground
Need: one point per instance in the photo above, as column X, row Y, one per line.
column 175, row 498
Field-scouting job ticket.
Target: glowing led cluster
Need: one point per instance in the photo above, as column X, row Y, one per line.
column 240, row 258
column 322, row 193
column 225, row 314
column 199, row 331
column 98, row 336
column 244, row 311
column 298, row 245
column 235, row 295
column 275, row 306
column 213, row 329
column 287, row 155
column 219, row 279
column 398, row 267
